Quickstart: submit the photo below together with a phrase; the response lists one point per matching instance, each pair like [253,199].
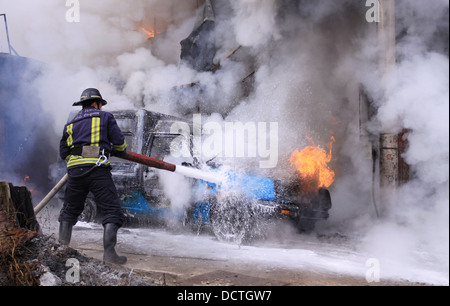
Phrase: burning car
[234,211]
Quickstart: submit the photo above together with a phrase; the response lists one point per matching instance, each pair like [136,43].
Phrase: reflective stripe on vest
[95,132]
[78,160]
[70,138]
[120,148]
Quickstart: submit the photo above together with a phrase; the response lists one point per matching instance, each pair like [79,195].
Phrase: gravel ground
[42,261]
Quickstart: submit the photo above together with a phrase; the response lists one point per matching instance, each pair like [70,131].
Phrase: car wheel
[89,213]
[231,219]
[305,225]
[309,217]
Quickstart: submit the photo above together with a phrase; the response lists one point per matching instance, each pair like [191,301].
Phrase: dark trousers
[100,183]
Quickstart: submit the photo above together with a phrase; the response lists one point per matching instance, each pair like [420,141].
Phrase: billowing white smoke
[309,58]
[104,50]
[417,99]
[255,22]
[417,225]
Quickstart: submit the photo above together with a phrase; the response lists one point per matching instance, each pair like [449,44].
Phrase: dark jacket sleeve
[64,149]
[116,136]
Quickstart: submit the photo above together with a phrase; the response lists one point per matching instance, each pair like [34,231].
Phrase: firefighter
[86,144]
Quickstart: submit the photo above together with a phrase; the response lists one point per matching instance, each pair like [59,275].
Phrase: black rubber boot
[65,233]
[109,243]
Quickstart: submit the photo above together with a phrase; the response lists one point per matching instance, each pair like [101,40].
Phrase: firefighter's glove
[118,153]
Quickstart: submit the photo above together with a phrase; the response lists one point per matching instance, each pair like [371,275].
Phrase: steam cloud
[308,58]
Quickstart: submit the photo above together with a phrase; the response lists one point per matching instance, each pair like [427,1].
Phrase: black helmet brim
[89,101]
[90,95]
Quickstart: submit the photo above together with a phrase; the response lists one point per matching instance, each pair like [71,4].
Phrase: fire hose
[140,159]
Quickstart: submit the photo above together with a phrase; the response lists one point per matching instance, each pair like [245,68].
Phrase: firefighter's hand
[118,153]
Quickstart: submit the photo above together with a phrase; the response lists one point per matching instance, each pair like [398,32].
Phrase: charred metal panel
[389,160]
[403,167]
[199,49]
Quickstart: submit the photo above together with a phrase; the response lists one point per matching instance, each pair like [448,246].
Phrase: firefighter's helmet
[90,95]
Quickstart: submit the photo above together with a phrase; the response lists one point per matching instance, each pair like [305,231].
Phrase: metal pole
[388,150]
[51,194]
[7,33]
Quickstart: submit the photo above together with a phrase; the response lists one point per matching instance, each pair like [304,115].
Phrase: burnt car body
[234,213]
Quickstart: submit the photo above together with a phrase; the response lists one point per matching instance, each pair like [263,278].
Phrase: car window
[126,125]
[171,148]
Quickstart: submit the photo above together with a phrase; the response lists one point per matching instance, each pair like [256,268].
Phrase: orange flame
[26,180]
[151,33]
[312,165]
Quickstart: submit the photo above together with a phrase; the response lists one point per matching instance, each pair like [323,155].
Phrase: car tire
[231,219]
[305,225]
[89,213]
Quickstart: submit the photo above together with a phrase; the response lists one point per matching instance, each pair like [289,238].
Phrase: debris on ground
[13,270]
[42,261]
[28,258]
